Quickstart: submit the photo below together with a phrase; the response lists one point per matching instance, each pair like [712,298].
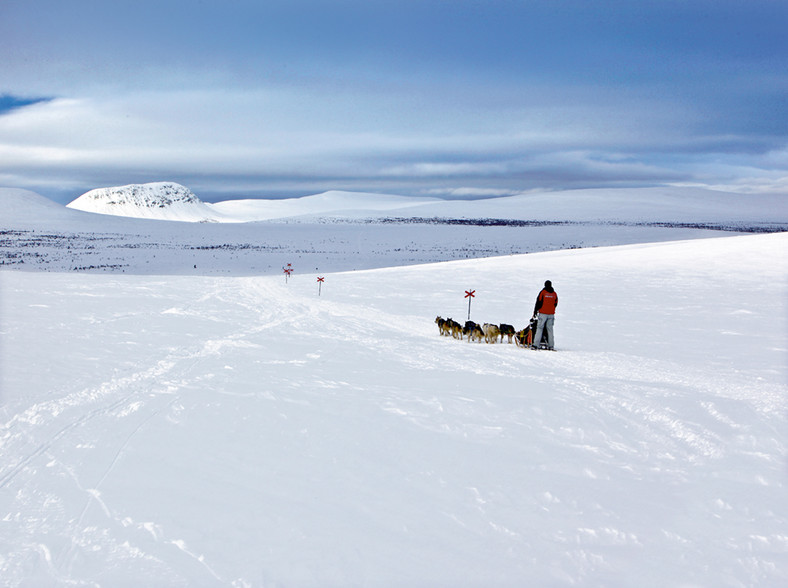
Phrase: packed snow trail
[244,431]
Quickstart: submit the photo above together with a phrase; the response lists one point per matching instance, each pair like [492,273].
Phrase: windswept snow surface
[244,431]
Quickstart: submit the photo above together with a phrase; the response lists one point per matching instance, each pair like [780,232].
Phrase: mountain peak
[156,194]
[161,200]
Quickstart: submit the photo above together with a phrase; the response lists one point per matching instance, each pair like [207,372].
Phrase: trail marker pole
[320,285]
[470,294]
[288,270]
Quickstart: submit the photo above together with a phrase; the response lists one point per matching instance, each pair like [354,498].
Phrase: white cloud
[317,139]
[754,184]
[470,192]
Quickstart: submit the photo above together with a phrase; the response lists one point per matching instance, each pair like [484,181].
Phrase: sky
[446,98]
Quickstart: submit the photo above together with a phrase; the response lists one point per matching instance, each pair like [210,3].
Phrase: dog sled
[525,338]
[490,333]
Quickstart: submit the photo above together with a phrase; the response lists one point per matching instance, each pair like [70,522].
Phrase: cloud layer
[460,99]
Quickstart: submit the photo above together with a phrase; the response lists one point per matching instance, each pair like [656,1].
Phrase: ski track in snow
[476,462]
[144,395]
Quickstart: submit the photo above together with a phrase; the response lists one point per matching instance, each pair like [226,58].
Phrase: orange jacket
[546,302]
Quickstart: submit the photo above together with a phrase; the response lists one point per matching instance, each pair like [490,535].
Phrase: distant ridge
[335,203]
[658,206]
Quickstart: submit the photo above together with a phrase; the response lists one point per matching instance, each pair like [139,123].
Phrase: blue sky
[452,98]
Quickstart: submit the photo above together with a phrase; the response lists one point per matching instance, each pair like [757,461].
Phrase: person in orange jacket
[544,309]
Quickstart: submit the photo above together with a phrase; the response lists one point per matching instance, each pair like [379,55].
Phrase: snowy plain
[165,425]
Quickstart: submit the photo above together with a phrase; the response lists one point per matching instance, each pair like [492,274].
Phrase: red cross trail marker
[470,294]
[288,270]
[320,285]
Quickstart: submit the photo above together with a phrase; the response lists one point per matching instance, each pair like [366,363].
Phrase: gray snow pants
[545,322]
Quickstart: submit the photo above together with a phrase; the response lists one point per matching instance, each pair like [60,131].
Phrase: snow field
[244,431]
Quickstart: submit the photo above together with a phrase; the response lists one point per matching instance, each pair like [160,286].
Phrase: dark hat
[548,284]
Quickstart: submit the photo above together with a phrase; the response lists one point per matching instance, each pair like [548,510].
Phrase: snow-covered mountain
[344,231]
[174,202]
[17,205]
[334,203]
[157,200]
[665,204]
[170,201]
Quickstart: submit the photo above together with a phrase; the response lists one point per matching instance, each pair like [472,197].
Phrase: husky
[473,331]
[455,328]
[443,327]
[491,332]
[507,331]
